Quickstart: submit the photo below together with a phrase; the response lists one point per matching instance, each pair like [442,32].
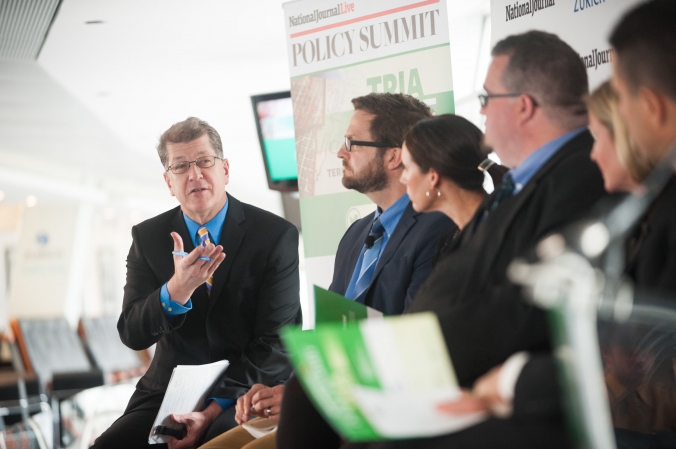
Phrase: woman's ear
[434,177]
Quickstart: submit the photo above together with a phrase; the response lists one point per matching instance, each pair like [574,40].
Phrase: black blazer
[404,264]
[255,292]
[483,315]
[651,250]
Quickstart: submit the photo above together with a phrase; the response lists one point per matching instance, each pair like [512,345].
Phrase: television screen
[274,122]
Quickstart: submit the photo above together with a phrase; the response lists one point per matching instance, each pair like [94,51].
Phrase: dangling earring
[427,194]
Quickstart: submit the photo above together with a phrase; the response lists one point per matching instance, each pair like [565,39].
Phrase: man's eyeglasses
[184,166]
[349,143]
[483,98]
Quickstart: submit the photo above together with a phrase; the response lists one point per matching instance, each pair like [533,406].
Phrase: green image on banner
[325,219]
[444,102]
[281,155]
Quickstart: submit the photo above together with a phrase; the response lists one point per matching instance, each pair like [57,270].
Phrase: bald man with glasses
[213,279]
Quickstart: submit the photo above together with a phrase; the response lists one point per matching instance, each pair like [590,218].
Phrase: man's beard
[372,179]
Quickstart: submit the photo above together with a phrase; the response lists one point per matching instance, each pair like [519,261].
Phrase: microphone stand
[570,282]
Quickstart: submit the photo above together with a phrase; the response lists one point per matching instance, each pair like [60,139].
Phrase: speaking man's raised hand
[191,271]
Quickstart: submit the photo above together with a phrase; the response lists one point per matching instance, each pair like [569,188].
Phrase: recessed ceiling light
[31,201]
[94,22]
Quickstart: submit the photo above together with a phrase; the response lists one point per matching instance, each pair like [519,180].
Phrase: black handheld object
[179,434]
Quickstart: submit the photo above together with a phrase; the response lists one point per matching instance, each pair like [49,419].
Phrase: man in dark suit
[410,238]
[211,302]
[536,122]
[643,77]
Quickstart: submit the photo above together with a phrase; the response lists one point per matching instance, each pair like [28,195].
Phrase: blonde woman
[621,165]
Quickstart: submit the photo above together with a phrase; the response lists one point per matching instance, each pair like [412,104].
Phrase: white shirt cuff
[509,374]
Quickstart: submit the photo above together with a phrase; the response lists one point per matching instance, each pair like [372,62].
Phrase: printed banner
[40,278]
[584,24]
[338,51]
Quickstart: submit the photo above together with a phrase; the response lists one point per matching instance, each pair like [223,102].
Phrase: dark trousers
[300,424]
[302,427]
[131,430]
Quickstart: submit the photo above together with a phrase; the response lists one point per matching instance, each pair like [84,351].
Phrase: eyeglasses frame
[349,142]
[193,162]
[483,98]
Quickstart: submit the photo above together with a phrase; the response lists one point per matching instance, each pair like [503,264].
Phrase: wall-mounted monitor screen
[274,122]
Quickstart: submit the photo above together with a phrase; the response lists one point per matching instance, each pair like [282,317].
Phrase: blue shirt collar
[214,226]
[391,216]
[534,162]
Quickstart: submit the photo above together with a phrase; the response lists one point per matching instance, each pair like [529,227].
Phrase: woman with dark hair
[441,157]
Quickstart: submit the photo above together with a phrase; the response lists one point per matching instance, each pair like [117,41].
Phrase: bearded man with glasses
[372,165]
[213,279]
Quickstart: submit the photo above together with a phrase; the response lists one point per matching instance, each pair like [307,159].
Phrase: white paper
[260,427]
[406,414]
[186,393]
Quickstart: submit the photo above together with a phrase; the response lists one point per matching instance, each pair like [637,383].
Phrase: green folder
[330,307]
[378,379]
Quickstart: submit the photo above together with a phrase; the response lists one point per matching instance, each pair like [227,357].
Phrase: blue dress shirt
[534,162]
[214,226]
[171,308]
[389,219]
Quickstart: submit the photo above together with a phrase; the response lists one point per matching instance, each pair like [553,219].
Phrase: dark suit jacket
[255,292]
[651,250]
[483,316]
[404,264]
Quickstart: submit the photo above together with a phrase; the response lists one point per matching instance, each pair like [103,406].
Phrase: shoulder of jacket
[162,219]
[258,215]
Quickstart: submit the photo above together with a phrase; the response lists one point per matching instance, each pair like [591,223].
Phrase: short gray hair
[186,131]
[548,69]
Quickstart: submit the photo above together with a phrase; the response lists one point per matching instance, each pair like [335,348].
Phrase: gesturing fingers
[217,256]
[178,241]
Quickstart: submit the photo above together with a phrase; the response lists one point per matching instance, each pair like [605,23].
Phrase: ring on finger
[268,411]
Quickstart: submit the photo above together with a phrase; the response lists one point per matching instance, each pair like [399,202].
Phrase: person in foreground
[643,76]
[644,44]
[225,292]
[386,275]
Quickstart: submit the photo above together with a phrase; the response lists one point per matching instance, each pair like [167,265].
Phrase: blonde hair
[602,104]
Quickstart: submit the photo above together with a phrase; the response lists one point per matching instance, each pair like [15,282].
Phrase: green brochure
[331,307]
[379,379]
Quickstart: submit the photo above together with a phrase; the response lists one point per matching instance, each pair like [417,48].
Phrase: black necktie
[376,232]
[504,191]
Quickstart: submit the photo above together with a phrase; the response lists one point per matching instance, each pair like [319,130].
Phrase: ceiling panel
[23,27]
